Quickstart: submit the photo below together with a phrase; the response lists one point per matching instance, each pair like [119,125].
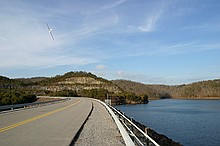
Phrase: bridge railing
[33,104]
[139,136]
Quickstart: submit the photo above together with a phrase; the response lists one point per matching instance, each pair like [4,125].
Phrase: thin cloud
[149,26]
[150,23]
[140,77]
[211,26]
[189,47]
[25,40]
[100,67]
[100,32]
[113,5]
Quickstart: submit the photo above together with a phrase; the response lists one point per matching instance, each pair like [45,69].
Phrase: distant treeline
[199,90]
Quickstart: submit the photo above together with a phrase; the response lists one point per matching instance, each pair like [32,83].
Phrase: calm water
[190,122]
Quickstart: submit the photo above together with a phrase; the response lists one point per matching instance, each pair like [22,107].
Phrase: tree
[144,99]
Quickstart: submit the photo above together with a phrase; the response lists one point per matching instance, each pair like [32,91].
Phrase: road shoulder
[100,129]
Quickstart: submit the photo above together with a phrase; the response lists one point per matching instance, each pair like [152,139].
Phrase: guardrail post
[132,125]
[123,117]
[119,116]
[146,131]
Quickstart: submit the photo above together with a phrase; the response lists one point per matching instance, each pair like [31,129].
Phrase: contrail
[50,31]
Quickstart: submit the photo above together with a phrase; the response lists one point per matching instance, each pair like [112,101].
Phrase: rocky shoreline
[161,139]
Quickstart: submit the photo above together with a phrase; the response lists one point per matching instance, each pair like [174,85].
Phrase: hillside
[69,84]
[199,90]
[22,90]
[78,81]
[152,91]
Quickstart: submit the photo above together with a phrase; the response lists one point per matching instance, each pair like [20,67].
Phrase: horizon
[112,80]
[151,42]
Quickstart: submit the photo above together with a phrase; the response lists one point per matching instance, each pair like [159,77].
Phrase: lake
[190,122]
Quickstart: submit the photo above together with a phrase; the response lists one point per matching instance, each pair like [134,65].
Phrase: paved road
[52,125]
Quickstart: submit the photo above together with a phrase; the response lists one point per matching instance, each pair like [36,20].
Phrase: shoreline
[161,139]
[194,98]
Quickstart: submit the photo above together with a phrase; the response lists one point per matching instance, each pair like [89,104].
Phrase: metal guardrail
[33,104]
[140,138]
[127,139]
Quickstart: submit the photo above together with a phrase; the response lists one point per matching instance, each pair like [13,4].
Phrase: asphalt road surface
[51,125]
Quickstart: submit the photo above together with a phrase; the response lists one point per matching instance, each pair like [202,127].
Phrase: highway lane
[52,125]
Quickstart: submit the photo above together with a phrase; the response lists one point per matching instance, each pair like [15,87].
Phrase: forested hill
[69,84]
[13,91]
[198,90]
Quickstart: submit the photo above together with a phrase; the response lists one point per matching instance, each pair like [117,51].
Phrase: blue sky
[149,41]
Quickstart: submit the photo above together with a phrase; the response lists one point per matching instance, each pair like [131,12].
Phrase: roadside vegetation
[15,97]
